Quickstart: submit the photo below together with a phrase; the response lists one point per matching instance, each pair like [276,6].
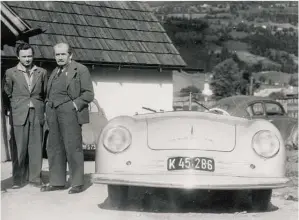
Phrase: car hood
[192,114]
[191,131]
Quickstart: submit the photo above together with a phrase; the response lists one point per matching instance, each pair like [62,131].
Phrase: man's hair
[24,46]
[70,50]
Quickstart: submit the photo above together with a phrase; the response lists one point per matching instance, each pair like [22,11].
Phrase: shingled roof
[100,32]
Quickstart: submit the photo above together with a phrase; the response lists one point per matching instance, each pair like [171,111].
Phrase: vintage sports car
[190,150]
[90,131]
[253,107]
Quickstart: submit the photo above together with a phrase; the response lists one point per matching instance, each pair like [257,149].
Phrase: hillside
[206,33]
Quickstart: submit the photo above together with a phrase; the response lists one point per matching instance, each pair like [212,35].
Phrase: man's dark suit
[64,121]
[27,122]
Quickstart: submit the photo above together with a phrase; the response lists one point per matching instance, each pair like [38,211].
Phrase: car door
[276,114]
[97,117]
[92,130]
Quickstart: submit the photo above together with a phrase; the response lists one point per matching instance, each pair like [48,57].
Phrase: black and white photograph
[149,110]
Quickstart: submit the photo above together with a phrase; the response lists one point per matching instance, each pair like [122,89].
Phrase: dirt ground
[29,203]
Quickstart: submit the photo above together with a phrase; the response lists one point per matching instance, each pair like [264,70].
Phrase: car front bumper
[190,181]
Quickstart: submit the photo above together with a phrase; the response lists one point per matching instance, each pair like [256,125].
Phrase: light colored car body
[157,137]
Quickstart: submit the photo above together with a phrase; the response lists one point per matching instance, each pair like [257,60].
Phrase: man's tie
[28,73]
[59,72]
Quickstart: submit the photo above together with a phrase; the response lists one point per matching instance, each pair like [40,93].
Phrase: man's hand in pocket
[75,106]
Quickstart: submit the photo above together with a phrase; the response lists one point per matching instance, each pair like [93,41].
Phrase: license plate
[191,163]
[89,147]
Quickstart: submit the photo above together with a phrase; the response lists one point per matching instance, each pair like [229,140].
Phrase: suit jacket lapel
[50,80]
[70,73]
[21,77]
[35,76]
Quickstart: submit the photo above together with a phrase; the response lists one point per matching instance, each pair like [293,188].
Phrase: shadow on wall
[125,75]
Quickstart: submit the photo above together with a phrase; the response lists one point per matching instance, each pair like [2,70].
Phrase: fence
[290,105]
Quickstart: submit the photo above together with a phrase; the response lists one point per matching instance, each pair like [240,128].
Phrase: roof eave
[18,29]
[32,32]
[117,65]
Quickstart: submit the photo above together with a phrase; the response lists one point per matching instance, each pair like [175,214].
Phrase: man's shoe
[16,186]
[35,184]
[76,189]
[49,188]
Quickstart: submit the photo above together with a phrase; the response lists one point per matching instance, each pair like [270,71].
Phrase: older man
[69,92]
[25,86]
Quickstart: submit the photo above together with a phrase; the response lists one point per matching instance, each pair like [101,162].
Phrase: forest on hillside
[243,38]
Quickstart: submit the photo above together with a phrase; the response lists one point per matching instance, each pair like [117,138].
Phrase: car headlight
[265,144]
[117,139]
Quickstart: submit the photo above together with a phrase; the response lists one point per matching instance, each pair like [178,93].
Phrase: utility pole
[251,86]
[190,101]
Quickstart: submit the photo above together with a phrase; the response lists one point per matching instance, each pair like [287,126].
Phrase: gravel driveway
[29,203]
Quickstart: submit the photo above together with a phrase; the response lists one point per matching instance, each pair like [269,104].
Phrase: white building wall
[126,91]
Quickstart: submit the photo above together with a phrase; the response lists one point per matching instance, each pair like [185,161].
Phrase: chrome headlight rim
[274,136]
[110,130]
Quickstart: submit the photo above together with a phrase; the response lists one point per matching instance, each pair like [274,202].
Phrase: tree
[227,79]
[258,67]
[225,54]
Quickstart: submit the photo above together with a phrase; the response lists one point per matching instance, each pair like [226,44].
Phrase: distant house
[205,6]
[279,29]
[128,52]
[289,92]
[281,5]
[266,92]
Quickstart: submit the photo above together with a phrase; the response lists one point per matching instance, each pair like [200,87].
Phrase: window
[257,109]
[273,109]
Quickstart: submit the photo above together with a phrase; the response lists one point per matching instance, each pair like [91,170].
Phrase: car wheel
[117,195]
[261,199]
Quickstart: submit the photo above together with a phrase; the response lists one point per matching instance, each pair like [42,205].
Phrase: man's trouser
[64,144]
[27,150]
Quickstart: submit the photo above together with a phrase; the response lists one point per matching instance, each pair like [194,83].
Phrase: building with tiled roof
[121,33]
[127,50]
